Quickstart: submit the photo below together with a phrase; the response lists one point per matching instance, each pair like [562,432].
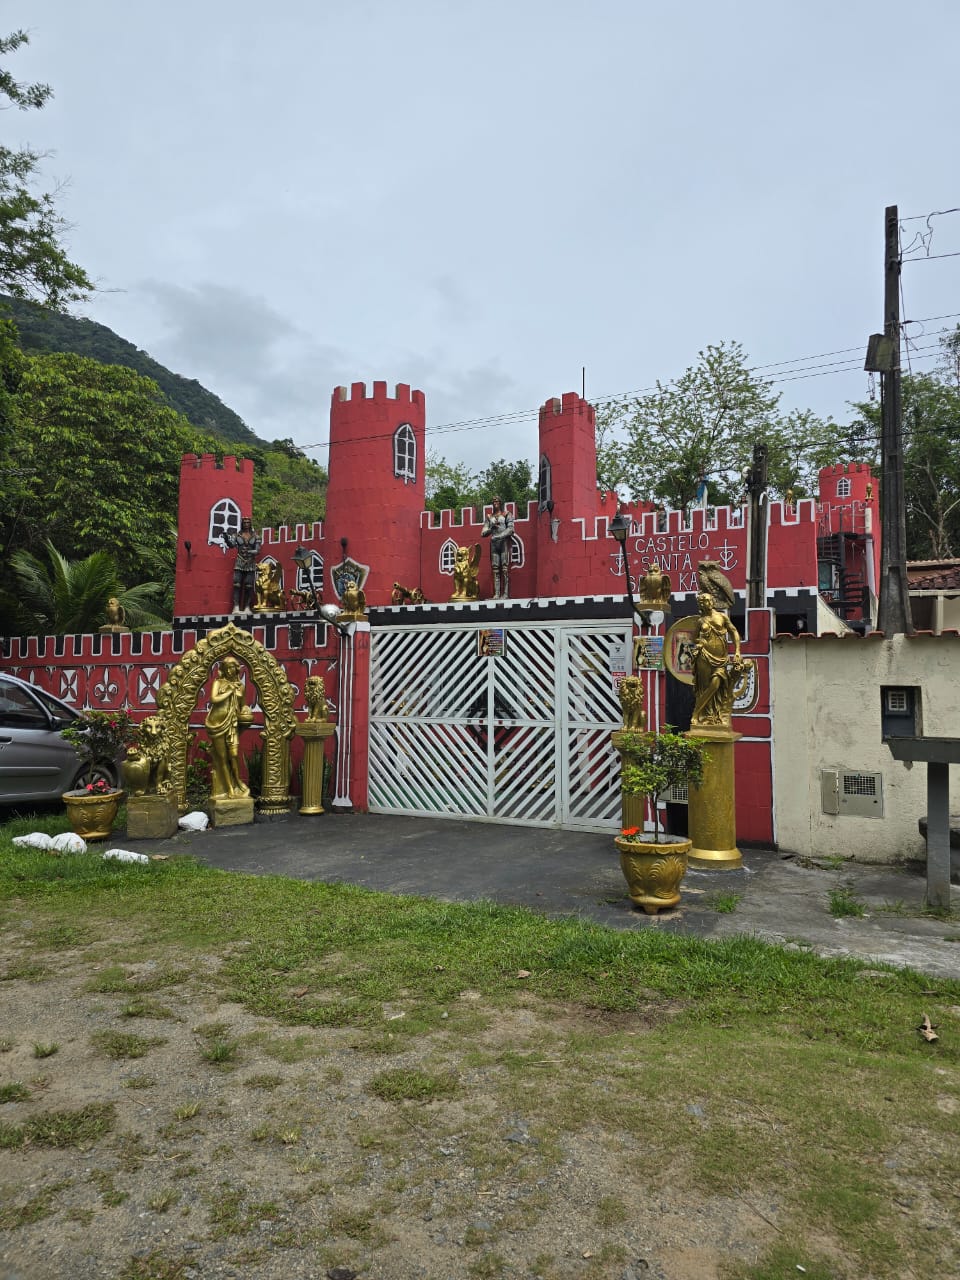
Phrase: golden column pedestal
[314,733]
[633,809]
[711,806]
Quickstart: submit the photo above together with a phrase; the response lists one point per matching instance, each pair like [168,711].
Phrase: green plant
[198,772]
[655,762]
[100,737]
[725,903]
[844,902]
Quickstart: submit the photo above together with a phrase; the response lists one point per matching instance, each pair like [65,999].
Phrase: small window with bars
[448,556]
[843,487]
[224,519]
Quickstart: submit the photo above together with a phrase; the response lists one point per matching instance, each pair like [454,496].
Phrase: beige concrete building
[837,789]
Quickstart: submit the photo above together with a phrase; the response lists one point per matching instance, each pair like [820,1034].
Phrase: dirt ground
[238,1147]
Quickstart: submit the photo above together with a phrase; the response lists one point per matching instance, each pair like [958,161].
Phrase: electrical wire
[805,371]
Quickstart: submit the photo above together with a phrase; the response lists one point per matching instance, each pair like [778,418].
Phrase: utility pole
[757,545]
[893,615]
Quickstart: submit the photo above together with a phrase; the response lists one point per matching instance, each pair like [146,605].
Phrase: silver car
[35,762]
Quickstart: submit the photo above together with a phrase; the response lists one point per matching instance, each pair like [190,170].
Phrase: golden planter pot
[91,815]
[653,871]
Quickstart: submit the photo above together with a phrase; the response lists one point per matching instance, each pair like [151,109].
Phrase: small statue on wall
[116,617]
[654,590]
[716,584]
[318,709]
[269,595]
[403,595]
[498,527]
[227,715]
[466,564]
[246,543]
[353,602]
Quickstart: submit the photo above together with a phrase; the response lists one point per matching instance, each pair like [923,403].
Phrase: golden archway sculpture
[177,699]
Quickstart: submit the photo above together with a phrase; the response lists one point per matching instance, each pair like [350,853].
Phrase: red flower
[630,831]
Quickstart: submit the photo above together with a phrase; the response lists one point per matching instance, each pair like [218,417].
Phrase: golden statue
[654,591]
[716,676]
[631,704]
[466,564]
[354,602]
[227,714]
[146,768]
[403,595]
[116,617]
[269,587]
[318,708]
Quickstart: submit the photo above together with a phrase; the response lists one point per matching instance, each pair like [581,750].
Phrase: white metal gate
[521,737]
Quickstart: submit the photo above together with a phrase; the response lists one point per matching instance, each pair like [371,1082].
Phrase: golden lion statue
[146,768]
[317,706]
[466,564]
[631,704]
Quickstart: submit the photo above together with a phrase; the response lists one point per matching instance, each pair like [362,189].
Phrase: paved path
[578,874]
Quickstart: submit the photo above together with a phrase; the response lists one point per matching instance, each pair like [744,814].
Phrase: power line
[790,375]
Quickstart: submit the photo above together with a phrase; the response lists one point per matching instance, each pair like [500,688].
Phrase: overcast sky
[480,199]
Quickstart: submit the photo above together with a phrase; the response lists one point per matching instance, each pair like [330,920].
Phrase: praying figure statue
[716,675]
[227,715]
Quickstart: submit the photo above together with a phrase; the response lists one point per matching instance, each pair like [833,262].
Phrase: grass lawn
[729,1072]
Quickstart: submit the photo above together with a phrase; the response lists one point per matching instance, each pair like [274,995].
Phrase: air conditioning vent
[861,794]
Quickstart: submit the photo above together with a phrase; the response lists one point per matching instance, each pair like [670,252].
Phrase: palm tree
[71,596]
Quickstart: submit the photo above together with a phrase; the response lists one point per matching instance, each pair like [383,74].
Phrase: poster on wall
[491,642]
[650,653]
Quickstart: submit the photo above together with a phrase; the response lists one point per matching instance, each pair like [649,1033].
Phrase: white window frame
[843,487]
[544,483]
[313,572]
[224,519]
[448,556]
[516,552]
[405,453]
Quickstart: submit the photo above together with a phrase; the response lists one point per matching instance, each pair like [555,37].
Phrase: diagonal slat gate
[523,737]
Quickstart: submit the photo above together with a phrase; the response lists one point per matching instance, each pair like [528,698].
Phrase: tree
[71,596]
[288,487]
[32,261]
[510,481]
[97,454]
[931,462]
[449,486]
[700,429]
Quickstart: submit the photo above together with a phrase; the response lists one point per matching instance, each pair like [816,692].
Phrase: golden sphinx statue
[269,587]
[466,566]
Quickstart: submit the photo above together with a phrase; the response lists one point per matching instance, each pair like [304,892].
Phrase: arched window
[516,553]
[448,556]
[312,573]
[224,518]
[405,453]
[544,484]
[843,487]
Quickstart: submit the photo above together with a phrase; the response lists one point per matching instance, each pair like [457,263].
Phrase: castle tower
[376,490]
[213,500]
[848,539]
[567,480]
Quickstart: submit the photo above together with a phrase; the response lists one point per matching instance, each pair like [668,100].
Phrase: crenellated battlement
[569,402]
[357,391]
[285,536]
[191,463]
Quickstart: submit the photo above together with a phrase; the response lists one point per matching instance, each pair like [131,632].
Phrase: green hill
[42,330]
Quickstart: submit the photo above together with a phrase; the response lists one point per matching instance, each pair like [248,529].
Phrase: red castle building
[430,721]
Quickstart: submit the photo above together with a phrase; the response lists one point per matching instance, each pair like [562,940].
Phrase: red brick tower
[376,490]
[213,499]
[568,480]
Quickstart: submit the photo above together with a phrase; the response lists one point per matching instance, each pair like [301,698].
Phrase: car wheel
[100,772]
